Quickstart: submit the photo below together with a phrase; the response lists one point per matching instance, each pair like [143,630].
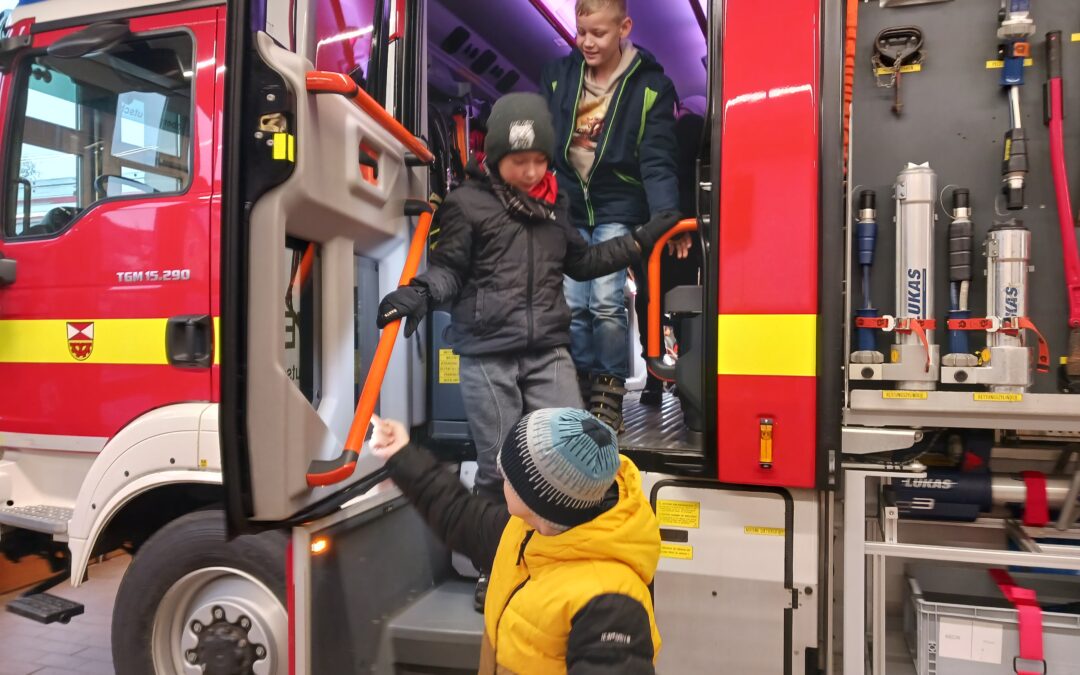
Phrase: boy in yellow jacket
[571,553]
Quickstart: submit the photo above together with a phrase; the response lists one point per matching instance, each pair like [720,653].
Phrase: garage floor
[82,646]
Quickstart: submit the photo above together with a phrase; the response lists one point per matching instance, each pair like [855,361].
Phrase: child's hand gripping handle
[654,352]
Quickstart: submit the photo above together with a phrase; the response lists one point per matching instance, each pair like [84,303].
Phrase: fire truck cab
[203,202]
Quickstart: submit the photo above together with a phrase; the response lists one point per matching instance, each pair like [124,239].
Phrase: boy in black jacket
[504,244]
[614,121]
[572,552]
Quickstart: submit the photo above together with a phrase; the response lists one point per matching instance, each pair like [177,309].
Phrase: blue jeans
[598,321]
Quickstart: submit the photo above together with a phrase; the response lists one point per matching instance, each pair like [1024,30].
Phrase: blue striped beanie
[561,462]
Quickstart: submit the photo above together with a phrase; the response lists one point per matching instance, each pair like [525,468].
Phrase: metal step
[45,608]
[658,428]
[37,517]
[441,629]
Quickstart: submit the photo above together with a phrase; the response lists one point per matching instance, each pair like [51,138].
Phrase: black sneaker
[480,595]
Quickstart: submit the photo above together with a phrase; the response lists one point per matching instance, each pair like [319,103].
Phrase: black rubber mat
[657,428]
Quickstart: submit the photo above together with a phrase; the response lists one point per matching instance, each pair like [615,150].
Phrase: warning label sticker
[909,68]
[449,367]
[672,513]
[1000,398]
[677,551]
[997,65]
[757,530]
[907,395]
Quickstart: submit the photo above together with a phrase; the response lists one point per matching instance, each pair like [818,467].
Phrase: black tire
[191,544]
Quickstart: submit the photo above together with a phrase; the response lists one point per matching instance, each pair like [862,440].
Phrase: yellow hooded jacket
[539,585]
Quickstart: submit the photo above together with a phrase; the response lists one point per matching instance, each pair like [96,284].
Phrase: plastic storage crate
[957,622]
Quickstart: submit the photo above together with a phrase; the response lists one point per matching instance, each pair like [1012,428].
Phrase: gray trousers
[499,390]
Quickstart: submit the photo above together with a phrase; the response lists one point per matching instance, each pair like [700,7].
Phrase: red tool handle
[654,350]
[1055,112]
[328,472]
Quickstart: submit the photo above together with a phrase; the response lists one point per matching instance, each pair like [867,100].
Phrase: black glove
[647,234]
[408,302]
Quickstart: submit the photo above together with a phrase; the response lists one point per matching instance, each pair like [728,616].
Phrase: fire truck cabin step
[37,518]
[441,629]
[45,608]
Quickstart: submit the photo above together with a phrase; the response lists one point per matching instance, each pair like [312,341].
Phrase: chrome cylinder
[1008,258]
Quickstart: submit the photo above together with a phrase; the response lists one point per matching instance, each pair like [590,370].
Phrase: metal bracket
[868,441]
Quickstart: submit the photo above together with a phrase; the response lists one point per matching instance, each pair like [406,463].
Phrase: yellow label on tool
[672,513]
[203,463]
[759,531]
[906,395]
[992,65]
[910,68]
[1076,37]
[998,398]
[1008,148]
[676,551]
[449,367]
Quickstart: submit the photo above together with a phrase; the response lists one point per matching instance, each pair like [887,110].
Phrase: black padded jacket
[504,274]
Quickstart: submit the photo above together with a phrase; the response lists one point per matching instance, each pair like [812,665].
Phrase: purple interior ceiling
[667,28]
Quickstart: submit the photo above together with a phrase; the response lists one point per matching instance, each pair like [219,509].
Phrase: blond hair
[586,7]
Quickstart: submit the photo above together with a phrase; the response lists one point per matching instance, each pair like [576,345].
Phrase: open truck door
[324,207]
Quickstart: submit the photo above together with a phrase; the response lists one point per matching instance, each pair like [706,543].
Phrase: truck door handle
[7,271]
[189,341]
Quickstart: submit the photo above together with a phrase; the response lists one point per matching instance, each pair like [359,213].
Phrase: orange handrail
[653,351]
[328,472]
[322,82]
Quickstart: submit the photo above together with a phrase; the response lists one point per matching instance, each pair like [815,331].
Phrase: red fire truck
[174,170]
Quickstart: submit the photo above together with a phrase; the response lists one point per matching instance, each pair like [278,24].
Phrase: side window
[345,32]
[113,124]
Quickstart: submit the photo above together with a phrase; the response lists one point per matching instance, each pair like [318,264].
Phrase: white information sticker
[986,642]
[954,639]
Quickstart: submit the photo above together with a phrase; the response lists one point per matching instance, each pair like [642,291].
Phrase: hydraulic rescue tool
[1055,114]
[895,49]
[1008,368]
[1015,26]
[914,359]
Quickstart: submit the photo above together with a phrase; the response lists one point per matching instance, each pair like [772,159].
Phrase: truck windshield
[108,125]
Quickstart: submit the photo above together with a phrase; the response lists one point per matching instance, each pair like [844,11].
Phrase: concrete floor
[82,646]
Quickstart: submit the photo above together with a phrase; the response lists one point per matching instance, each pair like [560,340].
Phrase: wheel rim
[219,621]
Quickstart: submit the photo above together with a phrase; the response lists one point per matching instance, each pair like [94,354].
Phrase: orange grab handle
[653,352]
[334,471]
[321,82]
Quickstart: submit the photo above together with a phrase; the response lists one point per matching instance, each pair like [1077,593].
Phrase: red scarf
[546,190]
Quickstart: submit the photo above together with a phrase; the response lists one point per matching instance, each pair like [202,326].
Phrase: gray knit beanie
[519,122]
[561,462]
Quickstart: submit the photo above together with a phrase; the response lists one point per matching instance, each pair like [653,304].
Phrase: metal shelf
[874,541]
[1046,412]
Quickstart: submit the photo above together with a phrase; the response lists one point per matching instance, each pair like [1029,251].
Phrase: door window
[345,32]
[109,125]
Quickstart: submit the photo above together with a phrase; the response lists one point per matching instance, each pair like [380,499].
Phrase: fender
[170,445]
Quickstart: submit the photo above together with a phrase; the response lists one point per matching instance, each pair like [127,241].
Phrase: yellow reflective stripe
[767,344]
[116,341]
[127,341]
[217,340]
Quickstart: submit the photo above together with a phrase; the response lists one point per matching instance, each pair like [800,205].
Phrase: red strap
[970,324]
[1036,506]
[1043,362]
[1010,325]
[1030,620]
[917,326]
